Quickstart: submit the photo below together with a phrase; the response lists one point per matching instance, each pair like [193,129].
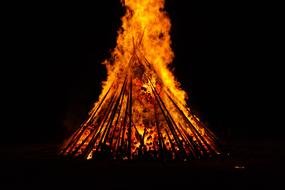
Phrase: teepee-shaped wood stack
[139,118]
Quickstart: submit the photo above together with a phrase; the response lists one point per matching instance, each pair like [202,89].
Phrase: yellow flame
[145,18]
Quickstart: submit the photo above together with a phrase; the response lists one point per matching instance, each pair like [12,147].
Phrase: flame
[151,113]
[147,21]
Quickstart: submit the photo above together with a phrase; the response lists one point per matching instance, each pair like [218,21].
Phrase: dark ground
[250,165]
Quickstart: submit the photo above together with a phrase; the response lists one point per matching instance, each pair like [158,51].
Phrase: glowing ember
[239,167]
[141,112]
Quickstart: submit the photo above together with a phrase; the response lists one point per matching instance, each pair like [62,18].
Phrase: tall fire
[142,111]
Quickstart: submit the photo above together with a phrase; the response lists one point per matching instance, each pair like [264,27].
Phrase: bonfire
[142,111]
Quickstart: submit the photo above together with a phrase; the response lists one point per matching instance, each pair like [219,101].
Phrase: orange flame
[147,21]
[153,114]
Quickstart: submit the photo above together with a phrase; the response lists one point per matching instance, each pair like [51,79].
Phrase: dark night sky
[54,71]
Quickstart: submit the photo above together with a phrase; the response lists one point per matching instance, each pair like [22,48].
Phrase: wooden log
[168,118]
[78,134]
[130,122]
[114,111]
[121,143]
[194,130]
[93,134]
[160,139]
[118,116]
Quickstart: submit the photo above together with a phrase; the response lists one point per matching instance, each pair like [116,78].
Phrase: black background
[53,72]
[226,58]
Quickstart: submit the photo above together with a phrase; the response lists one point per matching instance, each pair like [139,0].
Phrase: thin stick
[130,121]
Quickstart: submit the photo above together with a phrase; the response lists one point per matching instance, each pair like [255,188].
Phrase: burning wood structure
[141,112]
